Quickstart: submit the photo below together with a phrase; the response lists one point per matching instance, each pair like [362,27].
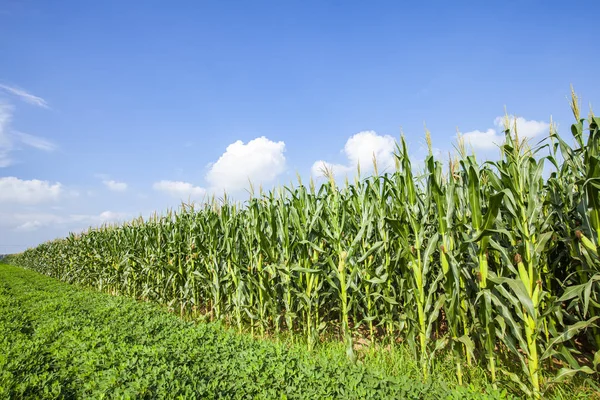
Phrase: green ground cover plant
[58,341]
[493,264]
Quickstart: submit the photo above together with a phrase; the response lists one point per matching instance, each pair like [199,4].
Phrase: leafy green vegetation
[57,341]
[494,264]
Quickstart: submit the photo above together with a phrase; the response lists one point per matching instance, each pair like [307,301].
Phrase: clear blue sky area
[112,109]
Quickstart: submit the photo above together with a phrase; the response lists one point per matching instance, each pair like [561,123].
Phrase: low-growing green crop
[60,342]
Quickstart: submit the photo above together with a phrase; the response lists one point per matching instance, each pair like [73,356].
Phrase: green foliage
[60,342]
[496,263]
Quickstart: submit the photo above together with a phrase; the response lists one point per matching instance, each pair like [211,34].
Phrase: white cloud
[30,226]
[28,191]
[96,219]
[492,138]
[36,142]
[25,96]
[10,140]
[360,149]
[30,222]
[260,161]
[6,143]
[320,167]
[110,216]
[525,128]
[181,190]
[483,140]
[115,186]
[23,226]
[110,184]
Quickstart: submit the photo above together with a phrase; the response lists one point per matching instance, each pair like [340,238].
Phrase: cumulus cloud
[33,191]
[492,138]
[115,186]
[526,128]
[25,96]
[360,149]
[180,190]
[259,161]
[487,140]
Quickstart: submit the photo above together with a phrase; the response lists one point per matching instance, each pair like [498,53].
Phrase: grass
[58,341]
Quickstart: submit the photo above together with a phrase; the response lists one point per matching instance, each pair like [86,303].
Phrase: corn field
[494,263]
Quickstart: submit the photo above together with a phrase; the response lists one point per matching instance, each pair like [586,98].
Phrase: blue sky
[113,109]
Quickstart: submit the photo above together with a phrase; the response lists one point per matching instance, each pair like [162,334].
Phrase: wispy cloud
[30,222]
[29,226]
[10,139]
[104,177]
[111,184]
[25,96]
[36,142]
[6,143]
